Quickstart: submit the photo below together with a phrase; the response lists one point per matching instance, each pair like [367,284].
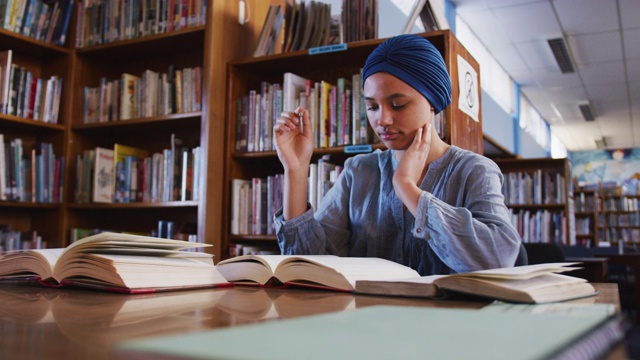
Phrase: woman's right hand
[294,140]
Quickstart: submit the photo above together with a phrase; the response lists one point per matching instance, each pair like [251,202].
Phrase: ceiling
[603,38]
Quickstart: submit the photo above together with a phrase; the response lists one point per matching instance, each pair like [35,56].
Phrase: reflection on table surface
[38,322]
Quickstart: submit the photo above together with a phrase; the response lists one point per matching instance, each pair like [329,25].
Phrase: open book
[116,262]
[539,283]
[321,271]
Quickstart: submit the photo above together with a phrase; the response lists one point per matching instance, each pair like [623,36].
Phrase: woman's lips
[388,135]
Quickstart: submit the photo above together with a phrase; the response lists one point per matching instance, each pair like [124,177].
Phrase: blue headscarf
[414,60]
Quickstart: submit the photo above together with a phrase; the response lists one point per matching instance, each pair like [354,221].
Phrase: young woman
[422,202]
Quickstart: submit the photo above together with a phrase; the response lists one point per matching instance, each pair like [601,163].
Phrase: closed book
[396,332]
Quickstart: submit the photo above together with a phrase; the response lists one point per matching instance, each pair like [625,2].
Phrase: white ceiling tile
[614,110]
[530,21]
[508,3]
[509,59]
[568,94]
[463,7]
[603,73]
[551,80]
[621,140]
[609,91]
[537,55]
[619,129]
[633,69]
[486,28]
[597,47]
[577,17]
[632,42]
[570,113]
[634,90]
[629,10]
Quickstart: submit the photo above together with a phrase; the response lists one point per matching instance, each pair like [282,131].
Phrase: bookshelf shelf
[587,216]
[540,196]
[166,43]
[30,46]
[27,205]
[20,123]
[205,46]
[249,73]
[137,205]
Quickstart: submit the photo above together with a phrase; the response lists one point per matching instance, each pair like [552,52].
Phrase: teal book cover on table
[393,332]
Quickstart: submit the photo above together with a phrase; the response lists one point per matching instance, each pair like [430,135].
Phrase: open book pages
[116,262]
[537,283]
[327,271]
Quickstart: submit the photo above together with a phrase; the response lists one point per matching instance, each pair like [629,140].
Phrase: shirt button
[419,230]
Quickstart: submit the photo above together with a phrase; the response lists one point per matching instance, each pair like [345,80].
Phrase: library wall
[529,148]
[498,124]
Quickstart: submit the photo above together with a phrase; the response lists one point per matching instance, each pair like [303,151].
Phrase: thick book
[319,271]
[397,332]
[103,175]
[539,283]
[116,262]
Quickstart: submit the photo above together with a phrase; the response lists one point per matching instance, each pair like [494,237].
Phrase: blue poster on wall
[617,166]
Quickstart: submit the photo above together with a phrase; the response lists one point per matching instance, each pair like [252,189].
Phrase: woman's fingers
[286,121]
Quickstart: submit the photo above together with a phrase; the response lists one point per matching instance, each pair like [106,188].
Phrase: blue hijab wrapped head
[414,60]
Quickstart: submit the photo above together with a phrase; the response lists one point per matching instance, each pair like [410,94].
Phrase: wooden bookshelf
[247,74]
[539,194]
[587,214]
[209,45]
[43,60]
[620,218]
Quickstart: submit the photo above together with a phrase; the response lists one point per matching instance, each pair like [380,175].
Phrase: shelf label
[352,149]
[327,49]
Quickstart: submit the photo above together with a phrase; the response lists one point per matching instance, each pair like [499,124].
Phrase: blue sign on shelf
[327,49]
[352,149]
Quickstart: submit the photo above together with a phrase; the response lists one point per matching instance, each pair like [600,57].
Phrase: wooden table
[629,259]
[594,269]
[38,323]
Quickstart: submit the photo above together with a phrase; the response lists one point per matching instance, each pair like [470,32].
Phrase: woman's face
[395,110]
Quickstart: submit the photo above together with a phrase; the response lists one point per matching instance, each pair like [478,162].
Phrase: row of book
[307,25]
[310,24]
[42,20]
[536,187]
[337,112]
[149,94]
[30,173]
[542,226]
[587,202]
[621,204]
[628,219]
[626,235]
[127,174]
[238,249]
[584,225]
[14,240]
[359,20]
[255,201]
[106,21]
[24,94]
[165,229]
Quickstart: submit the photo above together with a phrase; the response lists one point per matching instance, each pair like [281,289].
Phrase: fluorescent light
[561,53]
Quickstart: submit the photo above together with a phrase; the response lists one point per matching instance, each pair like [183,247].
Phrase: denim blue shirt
[462,223]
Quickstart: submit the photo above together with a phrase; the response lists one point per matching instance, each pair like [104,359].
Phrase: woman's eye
[372,108]
[398,106]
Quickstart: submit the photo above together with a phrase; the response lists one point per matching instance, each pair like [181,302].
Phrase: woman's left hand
[411,169]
